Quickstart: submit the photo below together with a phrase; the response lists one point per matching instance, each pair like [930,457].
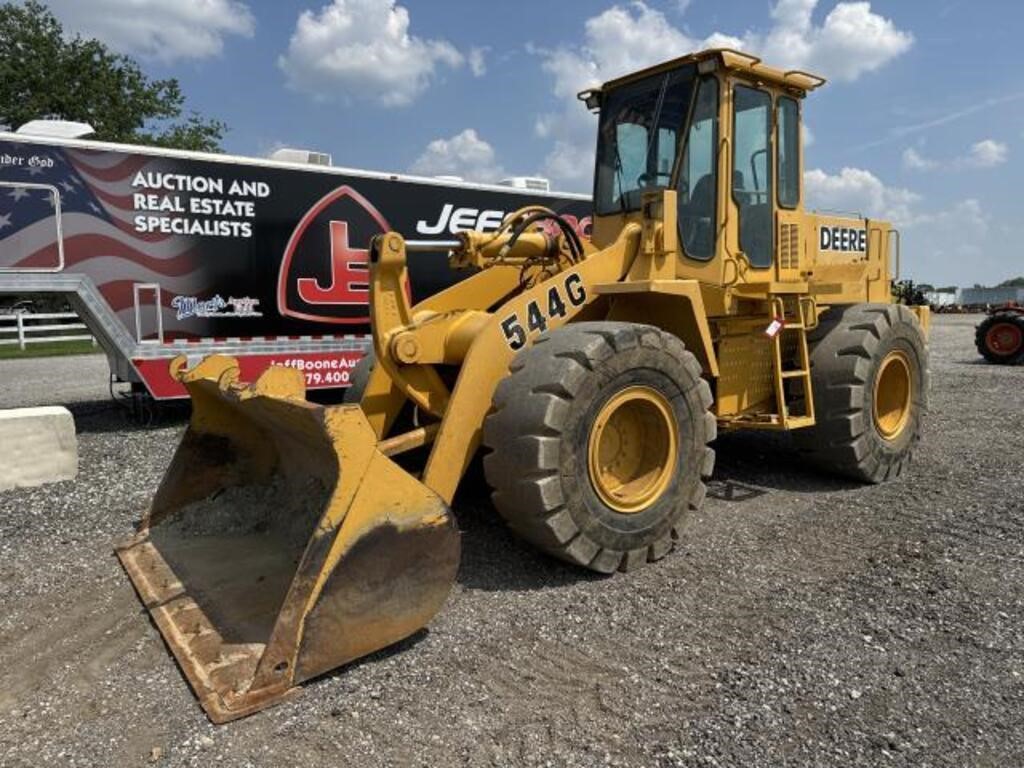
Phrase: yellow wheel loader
[289,538]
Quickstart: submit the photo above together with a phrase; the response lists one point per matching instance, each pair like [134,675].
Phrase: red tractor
[1000,336]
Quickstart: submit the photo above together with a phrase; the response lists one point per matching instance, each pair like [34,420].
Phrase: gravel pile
[805,620]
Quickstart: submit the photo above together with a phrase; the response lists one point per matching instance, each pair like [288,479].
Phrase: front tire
[598,443]
[869,370]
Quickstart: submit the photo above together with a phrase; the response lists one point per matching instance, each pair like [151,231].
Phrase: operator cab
[672,127]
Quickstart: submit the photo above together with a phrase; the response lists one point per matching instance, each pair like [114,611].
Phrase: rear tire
[869,370]
[598,443]
[1000,338]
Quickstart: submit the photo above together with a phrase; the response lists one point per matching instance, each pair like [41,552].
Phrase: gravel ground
[70,380]
[805,621]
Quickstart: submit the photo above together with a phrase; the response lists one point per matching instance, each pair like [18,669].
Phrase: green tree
[45,73]
[1013,282]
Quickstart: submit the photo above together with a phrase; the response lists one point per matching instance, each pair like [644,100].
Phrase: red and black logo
[324,274]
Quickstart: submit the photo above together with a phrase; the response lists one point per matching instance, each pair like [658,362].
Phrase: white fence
[30,328]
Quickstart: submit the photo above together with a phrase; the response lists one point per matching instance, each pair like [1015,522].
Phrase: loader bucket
[282,542]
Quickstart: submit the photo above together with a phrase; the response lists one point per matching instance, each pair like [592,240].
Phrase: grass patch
[49,349]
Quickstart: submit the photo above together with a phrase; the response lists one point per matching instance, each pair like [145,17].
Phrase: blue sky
[922,121]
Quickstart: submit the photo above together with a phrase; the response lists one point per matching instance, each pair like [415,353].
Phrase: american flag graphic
[99,237]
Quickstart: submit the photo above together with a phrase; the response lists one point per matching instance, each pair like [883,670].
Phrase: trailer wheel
[598,443]
[869,370]
[1000,338]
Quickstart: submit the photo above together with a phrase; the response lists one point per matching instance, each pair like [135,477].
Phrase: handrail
[899,245]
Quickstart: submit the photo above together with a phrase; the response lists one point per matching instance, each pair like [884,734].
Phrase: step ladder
[805,319]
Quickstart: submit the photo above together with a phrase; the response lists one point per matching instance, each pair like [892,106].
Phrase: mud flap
[282,543]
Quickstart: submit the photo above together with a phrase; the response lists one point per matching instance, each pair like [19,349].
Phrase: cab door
[752,181]
[789,214]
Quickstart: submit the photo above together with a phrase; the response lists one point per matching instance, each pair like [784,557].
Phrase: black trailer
[164,252]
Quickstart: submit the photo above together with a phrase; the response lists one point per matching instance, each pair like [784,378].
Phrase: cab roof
[744,64]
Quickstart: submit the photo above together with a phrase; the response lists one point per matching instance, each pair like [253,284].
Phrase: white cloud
[915,161]
[850,41]
[616,41]
[571,161]
[158,29]
[987,153]
[477,63]
[954,246]
[856,190]
[964,220]
[465,154]
[362,49]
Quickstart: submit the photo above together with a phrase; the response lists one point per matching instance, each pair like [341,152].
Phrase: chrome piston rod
[432,245]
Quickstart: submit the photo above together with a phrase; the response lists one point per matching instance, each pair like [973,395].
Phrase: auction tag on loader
[774,327]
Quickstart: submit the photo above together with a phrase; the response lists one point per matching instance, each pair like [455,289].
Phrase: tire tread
[843,349]
[553,367]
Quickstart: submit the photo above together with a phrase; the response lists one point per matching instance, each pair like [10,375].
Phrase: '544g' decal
[570,292]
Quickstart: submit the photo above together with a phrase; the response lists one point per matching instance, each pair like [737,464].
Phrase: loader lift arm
[483,343]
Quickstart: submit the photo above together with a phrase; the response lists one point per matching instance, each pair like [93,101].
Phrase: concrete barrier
[37,445]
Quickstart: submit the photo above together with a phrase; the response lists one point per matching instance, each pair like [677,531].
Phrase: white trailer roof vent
[305,156]
[537,183]
[57,129]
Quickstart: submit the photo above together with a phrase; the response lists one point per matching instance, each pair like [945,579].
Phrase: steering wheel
[644,178]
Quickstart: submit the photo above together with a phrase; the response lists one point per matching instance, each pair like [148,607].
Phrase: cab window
[789,152]
[637,138]
[752,172]
[698,176]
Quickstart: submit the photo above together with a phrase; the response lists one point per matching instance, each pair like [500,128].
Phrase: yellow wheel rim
[893,395]
[633,449]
